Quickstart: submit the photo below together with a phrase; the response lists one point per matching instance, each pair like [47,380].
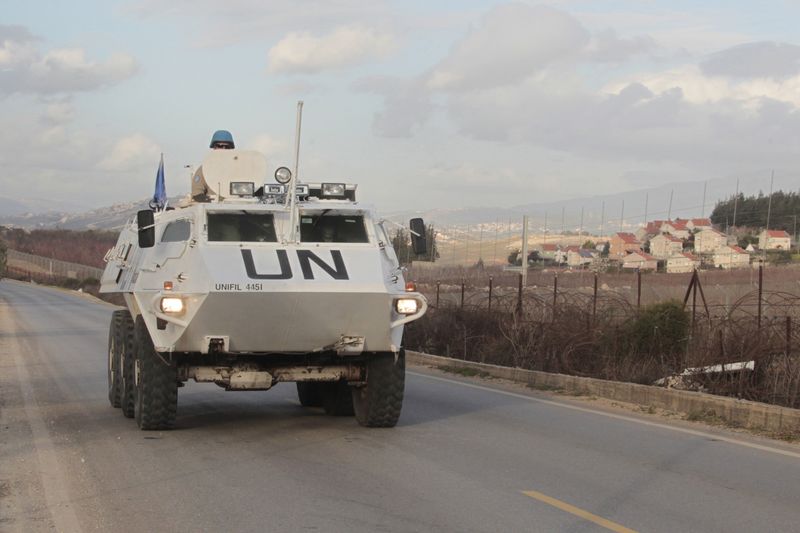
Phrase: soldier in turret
[221,140]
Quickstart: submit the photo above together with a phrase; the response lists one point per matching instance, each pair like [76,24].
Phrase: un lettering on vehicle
[335,268]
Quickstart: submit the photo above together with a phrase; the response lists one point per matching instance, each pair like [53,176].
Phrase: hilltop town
[671,246]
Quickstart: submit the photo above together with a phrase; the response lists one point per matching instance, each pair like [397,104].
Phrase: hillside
[83,247]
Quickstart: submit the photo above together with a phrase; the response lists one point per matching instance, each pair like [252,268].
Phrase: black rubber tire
[337,400]
[114,350]
[156,404]
[127,364]
[378,403]
[310,393]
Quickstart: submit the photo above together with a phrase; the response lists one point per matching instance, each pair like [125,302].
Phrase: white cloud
[608,47]
[214,23]
[58,111]
[271,147]
[700,88]
[130,153]
[25,69]
[512,42]
[304,53]
[755,60]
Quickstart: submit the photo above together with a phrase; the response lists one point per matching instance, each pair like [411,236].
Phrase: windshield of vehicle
[332,228]
[241,227]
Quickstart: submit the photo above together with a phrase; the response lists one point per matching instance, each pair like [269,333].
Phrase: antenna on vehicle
[290,193]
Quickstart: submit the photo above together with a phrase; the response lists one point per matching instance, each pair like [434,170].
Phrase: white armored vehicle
[249,283]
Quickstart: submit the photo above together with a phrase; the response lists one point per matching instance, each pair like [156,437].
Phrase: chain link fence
[38,266]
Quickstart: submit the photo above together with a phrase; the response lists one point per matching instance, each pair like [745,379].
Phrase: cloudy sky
[423,103]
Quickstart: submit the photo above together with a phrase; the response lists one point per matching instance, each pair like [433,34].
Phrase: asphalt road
[463,458]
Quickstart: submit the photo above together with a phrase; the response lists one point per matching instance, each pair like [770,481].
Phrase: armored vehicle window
[241,227]
[332,228]
[177,231]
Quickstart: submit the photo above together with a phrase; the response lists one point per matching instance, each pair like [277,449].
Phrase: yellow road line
[571,509]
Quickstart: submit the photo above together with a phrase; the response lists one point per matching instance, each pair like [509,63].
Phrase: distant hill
[104,218]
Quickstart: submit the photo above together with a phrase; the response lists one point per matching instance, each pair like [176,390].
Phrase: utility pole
[466,248]
[669,210]
[602,218]
[562,222]
[496,235]
[524,250]
[580,232]
[480,245]
[703,209]
[621,215]
[646,200]
[735,202]
[545,227]
[454,246]
[769,203]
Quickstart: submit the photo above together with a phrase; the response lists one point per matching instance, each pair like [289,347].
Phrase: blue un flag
[159,200]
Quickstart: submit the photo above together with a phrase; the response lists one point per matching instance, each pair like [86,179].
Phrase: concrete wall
[741,413]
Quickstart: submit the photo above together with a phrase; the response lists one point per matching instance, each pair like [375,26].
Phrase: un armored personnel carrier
[251,282]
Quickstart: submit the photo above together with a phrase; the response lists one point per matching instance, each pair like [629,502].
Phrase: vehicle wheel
[127,363]
[378,403]
[310,393]
[114,348]
[156,402]
[337,399]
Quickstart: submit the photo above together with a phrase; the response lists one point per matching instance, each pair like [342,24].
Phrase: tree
[589,245]
[606,249]
[514,258]
[751,211]
[747,240]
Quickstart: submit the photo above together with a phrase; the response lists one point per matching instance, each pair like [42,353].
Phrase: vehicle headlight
[406,306]
[172,305]
[242,188]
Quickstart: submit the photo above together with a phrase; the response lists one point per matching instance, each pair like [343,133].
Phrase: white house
[579,257]
[676,228]
[731,257]
[771,239]
[708,241]
[683,262]
[641,260]
[663,246]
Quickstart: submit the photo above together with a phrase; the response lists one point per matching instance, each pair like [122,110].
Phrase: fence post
[555,294]
[437,293]
[594,300]
[694,304]
[788,336]
[760,291]
[463,284]
[490,294]
[638,289]
[519,296]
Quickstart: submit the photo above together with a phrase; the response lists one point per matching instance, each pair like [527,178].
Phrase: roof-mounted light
[283,175]
[333,190]
[242,188]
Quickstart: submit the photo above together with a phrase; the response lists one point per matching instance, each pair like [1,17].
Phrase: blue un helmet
[222,139]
